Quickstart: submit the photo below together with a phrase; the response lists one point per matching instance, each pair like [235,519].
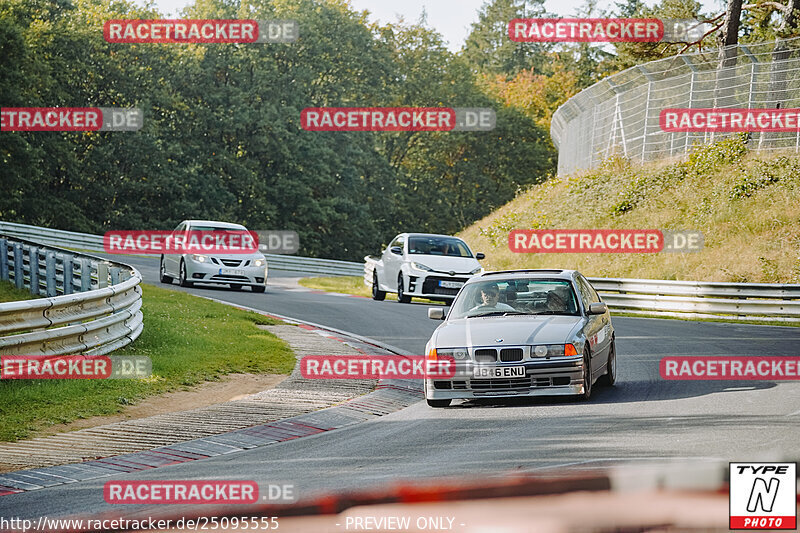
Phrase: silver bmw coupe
[522,333]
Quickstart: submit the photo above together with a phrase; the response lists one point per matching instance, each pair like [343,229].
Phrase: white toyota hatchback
[235,270]
[424,265]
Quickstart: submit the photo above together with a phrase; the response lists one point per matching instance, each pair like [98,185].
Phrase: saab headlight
[419,266]
[259,262]
[459,354]
[199,258]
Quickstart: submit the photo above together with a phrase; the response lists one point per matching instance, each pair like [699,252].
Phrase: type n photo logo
[763,496]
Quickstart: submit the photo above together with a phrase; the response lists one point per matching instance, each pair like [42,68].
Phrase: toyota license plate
[498,372]
[451,284]
[231,272]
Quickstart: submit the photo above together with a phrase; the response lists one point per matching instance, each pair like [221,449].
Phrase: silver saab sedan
[522,333]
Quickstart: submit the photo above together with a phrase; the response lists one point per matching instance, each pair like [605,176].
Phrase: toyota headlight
[199,258]
[478,270]
[419,266]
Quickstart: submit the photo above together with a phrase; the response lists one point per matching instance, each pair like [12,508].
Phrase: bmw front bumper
[561,377]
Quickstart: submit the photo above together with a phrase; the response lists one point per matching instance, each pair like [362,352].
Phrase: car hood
[517,330]
[444,263]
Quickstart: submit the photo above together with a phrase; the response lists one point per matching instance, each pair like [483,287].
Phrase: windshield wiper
[498,313]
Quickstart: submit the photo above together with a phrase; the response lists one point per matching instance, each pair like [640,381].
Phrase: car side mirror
[436,313]
[396,250]
[480,255]
[597,308]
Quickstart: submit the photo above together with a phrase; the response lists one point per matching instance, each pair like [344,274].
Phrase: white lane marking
[731,389]
[795,413]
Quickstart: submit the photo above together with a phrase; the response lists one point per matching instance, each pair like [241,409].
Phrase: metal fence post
[69,273]
[19,276]
[693,68]
[33,261]
[114,275]
[50,273]
[86,275]
[649,79]
[4,259]
[102,275]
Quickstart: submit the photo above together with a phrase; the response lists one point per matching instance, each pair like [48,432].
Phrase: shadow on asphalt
[627,392]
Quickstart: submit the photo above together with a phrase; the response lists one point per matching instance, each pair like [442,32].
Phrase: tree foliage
[222,136]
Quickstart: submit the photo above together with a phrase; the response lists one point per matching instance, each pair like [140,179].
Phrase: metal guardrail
[91,306]
[684,299]
[87,241]
[689,299]
[311,265]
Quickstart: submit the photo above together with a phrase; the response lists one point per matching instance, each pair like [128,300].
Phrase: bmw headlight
[419,266]
[459,354]
[199,258]
[259,262]
[553,350]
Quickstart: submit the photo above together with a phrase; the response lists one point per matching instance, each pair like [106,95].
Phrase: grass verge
[349,285]
[746,204]
[10,293]
[189,339]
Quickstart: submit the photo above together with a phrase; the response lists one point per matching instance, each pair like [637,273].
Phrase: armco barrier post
[86,274]
[33,261]
[102,275]
[68,273]
[19,275]
[114,275]
[50,273]
[4,259]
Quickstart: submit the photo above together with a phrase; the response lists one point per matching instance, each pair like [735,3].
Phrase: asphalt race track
[643,418]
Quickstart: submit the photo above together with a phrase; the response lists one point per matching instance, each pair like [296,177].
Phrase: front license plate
[498,372]
[451,284]
[231,272]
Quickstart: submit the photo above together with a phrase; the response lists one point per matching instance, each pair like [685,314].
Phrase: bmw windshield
[520,296]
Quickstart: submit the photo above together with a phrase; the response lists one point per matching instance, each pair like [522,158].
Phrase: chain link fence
[620,114]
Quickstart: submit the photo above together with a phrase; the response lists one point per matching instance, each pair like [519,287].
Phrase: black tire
[401,296]
[182,281]
[377,293]
[587,369]
[610,377]
[258,288]
[236,286]
[438,403]
[162,273]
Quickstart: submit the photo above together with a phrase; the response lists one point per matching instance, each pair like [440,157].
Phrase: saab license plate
[498,372]
[231,272]
[451,284]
